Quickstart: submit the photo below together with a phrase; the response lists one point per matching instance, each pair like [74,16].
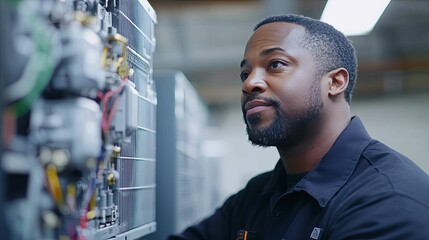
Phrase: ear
[339,80]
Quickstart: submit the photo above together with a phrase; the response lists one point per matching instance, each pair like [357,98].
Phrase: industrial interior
[121,119]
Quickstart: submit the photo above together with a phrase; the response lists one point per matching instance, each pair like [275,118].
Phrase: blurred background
[206,40]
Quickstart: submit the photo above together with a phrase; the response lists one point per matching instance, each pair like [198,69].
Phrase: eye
[244,76]
[276,64]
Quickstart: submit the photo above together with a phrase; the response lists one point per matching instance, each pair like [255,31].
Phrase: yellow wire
[92,202]
[103,61]
[54,183]
[71,190]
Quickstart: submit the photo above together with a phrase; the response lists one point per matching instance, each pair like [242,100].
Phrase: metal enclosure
[181,166]
[136,165]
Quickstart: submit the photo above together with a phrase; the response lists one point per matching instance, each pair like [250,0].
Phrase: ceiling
[206,39]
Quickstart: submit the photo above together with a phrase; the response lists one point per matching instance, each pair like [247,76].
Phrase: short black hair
[331,48]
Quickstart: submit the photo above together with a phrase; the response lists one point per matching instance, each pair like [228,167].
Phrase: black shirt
[361,189]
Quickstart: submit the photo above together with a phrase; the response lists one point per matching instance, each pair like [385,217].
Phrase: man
[333,180]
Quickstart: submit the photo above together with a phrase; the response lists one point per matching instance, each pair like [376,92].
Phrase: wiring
[108,115]
[54,184]
[64,100]
[109,118]
[39,69]
[94,177]
[103,61]
[89,193]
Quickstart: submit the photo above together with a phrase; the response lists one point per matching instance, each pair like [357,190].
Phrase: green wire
[42,62]
[13,3]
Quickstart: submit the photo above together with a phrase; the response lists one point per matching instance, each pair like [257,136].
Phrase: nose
[254,83]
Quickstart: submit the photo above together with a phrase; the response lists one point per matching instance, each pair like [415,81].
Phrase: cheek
[290,95]
[295,98]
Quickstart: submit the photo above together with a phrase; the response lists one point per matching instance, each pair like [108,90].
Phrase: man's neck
[305,155]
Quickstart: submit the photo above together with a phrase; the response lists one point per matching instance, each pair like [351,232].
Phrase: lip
[255,106]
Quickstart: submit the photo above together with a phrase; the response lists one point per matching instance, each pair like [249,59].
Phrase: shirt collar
[335,168]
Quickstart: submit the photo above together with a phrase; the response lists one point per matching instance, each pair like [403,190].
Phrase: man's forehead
[275,34]
[278,30]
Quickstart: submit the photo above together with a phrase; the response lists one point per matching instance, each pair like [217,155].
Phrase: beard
[286,127]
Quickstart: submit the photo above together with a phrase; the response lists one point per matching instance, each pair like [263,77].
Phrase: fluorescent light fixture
[353,17]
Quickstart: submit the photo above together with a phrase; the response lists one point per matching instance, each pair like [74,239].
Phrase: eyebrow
[268,51]
[264,53]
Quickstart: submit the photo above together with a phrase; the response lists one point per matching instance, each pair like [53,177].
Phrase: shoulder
[384,181]
[384,157]
[399,174]
[383,173]
[386,190]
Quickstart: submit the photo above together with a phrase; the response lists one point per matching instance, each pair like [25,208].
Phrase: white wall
[401,122]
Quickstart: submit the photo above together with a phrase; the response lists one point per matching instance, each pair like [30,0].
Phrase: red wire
[100,95]
[108,117]
[112,111]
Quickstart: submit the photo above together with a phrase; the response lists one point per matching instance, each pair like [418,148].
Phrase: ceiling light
[353,17]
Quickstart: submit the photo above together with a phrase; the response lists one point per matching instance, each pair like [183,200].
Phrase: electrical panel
[78,119]
[182,174]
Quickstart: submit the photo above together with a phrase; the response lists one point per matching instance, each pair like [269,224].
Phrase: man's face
[280,95]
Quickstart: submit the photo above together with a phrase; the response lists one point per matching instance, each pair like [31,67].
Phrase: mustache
[274,102]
